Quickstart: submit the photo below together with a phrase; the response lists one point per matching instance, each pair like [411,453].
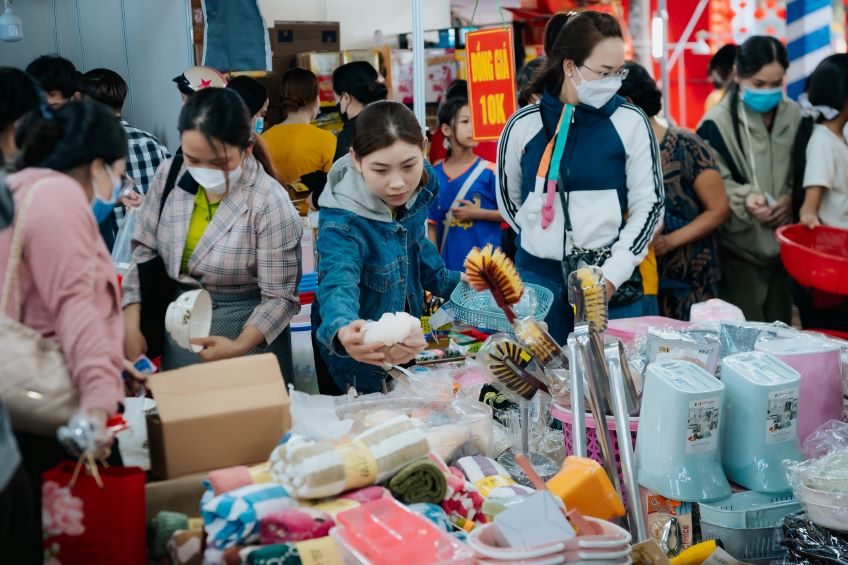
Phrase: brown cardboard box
[216,415]
[290,38]
[176,495]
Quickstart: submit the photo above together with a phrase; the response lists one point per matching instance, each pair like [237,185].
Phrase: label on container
[321,551]
[702,425]
[782,419]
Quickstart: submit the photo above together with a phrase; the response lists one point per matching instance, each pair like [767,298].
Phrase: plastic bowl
[824,509]
[189,317]
[816,258]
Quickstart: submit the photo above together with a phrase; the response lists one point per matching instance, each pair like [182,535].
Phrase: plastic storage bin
[386,533]
[748,523]
[682,408]
[760,427]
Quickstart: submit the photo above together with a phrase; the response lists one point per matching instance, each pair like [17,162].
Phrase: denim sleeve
[435,277]
[340,251]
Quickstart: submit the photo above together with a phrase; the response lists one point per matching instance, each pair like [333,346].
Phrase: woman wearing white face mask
[220,223]
[579,172]
[67,292]
[753,131]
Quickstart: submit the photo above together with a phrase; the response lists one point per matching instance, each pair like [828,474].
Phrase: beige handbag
[35,384]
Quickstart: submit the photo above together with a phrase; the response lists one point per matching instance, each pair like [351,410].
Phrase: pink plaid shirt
[252,242]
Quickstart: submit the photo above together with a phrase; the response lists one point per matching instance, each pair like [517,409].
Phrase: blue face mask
[100,207]
[761,99]
[260,125]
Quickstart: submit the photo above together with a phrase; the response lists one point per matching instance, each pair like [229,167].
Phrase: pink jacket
[59,299]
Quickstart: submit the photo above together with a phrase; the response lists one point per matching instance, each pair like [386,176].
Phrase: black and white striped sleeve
[510,150]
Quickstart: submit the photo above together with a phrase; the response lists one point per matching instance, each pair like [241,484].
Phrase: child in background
[374,256]
[465,212]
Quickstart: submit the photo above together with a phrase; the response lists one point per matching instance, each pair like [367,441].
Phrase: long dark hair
[76,134]
[579,35]
[221,114]
[826,86]
[757,52]
[383,123]
[449,111]
[19,94]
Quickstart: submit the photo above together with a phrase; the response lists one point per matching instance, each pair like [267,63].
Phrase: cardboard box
[176,495]
[290,38]
[216,415]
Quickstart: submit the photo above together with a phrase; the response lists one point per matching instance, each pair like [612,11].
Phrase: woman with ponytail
[355,85]
[72,163]
[752,131]
[300,151]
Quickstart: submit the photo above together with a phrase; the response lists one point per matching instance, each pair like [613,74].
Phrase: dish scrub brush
[587,293]
[490,269]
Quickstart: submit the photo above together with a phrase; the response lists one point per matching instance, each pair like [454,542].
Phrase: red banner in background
[490,60]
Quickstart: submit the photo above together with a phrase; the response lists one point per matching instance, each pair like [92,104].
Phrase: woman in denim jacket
[374,254]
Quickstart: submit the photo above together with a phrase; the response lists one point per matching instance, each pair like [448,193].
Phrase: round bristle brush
[508,363]
[490,269]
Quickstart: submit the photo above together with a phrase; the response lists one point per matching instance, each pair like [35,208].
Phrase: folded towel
[318,470]
[421,481]
[367,494]
[461,497]
[160,530]
[321,550]
[261,473]
[433,513]
[225,480]
[293,525]
[212,556]
[185,547]
[490,478]
[233,518]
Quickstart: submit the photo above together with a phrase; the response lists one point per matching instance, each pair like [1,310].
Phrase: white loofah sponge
[391,329]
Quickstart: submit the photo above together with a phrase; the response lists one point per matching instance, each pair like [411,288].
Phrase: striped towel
[318,470]
[185,547]
[490,478]
[233,518]
[462,498]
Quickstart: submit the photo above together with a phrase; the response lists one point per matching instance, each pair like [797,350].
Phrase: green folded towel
[162,527]
[421,481]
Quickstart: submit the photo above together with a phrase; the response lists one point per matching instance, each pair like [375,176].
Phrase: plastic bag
[715,310]
[742,337]
[809,543]
[702,349]
[821,483]
[122,250]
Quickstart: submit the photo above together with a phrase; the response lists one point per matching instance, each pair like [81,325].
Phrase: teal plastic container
[677,449]
[761,420]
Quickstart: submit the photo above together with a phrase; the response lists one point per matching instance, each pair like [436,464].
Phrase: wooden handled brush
[490,269]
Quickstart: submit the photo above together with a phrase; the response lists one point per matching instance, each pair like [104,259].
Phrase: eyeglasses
[620,73]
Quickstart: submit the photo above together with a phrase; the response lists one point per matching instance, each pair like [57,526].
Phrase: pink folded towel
[232,478]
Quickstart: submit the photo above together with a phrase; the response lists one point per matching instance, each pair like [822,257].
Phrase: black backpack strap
[171,182]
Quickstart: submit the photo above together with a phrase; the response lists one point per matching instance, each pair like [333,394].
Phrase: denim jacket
[369,264]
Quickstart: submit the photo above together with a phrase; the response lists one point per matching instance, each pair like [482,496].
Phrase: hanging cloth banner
[808,32]
[490,62]
[236,37]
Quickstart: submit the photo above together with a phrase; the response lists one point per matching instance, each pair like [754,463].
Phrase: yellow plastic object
[583,485]
[696,554]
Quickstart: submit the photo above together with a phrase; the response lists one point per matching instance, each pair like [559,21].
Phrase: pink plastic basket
[593,447]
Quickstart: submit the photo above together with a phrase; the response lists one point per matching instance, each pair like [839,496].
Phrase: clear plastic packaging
[700,349]
[512,367]
[809,544]
[544,348]
[742,337]
[821,483]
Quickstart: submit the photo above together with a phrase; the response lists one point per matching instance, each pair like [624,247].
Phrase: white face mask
[845,132]
[596,93]
[214,181]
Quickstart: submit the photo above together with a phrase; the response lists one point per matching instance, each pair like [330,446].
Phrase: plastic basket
[748,523]
[480,310]
[593,447]
[816,258]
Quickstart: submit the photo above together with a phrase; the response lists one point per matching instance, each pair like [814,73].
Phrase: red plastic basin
[816,258]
